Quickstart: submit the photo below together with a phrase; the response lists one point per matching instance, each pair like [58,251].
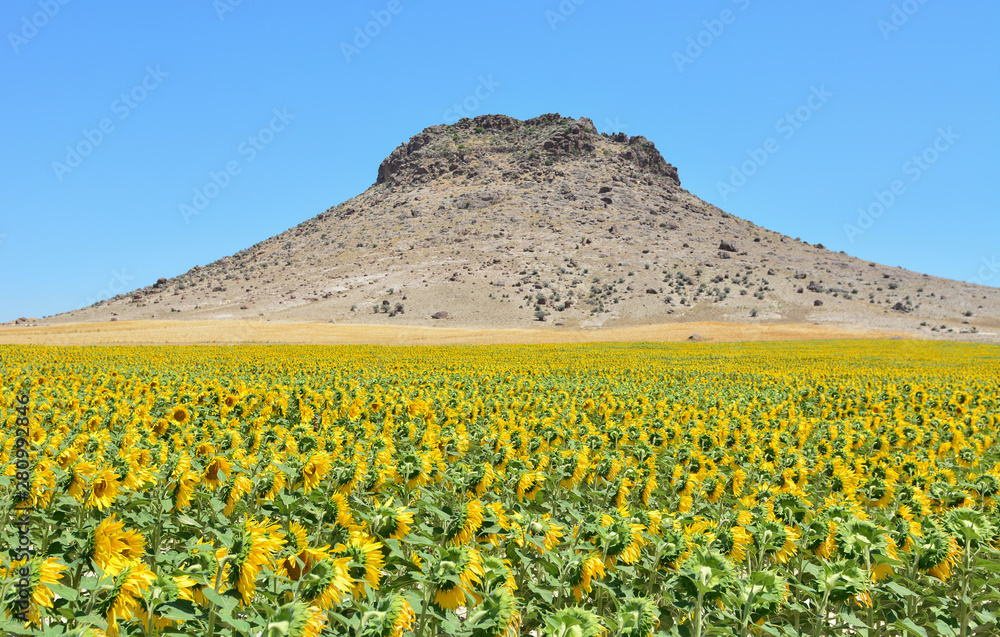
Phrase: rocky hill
[546,223]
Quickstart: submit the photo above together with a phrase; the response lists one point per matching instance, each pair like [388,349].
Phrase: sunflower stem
[696,620]
[218,575]
[423,609]
[963,622]
[156,537]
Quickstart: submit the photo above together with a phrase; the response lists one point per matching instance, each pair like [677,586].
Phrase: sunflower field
[835,488]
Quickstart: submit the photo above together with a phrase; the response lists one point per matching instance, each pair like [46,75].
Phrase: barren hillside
[495,222]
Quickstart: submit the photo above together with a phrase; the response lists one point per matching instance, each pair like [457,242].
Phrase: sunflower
[102,490]
[171,588]
[327,582]
[112,547]
[581,570]
[494,516]
[939,552]
[413,469]
[345,517]
[314,470]
[621,539]
[545,534]
[527,486]
[184,489]
[253,548]
[217,472]
[297,619]
[127,592]
[459,562]
[37,594]
[466,519]
[624,490]
[270,483]
[390,617]
[179,415]
[713,488]
[365,565]
[820,537]
[77,477]
[66,456]
[577,470]
[648,487]
[733,542]
[737,481]
[575,621]
[389,522]
[638,617]
[903,528]
[301,557]
[986,487]
[844,480]
[775,539]
[233,491]
[137,473]
[862,541]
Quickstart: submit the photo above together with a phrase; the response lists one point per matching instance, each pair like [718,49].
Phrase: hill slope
[499,222]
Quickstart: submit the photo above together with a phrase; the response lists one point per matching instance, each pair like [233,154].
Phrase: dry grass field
[258,332]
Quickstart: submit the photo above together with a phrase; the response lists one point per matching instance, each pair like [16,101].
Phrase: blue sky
[869,126]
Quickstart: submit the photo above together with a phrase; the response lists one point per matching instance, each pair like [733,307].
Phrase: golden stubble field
[268,332]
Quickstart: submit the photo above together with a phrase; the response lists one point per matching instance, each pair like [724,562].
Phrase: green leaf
[945,629]
[64,591]
[900,590]
[224,602]
[852,619]
[188,520]
[985,616]
[911,627]
[180,610]
[238,624]
[541,591]
[93,620]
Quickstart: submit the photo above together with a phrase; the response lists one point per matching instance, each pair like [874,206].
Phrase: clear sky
[794,115]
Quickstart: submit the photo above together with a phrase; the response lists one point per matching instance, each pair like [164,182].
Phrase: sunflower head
[296,619]
[574,620]
[637,617]
[453,576]
[390,616]
[179,415]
